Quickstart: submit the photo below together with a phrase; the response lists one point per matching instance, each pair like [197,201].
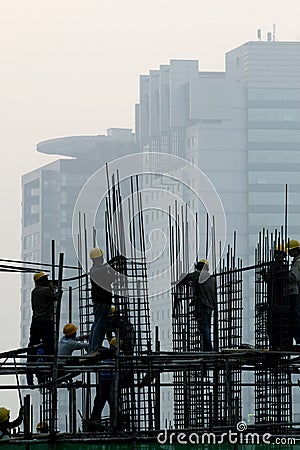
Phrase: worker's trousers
[99,326]
[203,318]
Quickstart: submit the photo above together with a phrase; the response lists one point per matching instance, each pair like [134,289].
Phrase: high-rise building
[241,128]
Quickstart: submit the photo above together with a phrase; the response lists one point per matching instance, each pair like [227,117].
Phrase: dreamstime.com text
[240,436]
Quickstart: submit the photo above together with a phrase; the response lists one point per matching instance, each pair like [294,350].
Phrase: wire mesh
[272,332]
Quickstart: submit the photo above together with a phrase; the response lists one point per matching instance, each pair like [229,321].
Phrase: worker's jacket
[7,426]
[117,323]
[203,286]
[276,278]
[102,277]
[42,303]
[204,290]
[294,277]
[67,346]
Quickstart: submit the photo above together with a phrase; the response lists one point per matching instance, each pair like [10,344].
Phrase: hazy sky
[72,67]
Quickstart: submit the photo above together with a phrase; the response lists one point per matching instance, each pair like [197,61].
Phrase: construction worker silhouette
[42,427]
[118,323]
[278,314]
[293,249]
[42,323]
[104,390]
[5,425]
[102,276]
[204,300]
[69,343]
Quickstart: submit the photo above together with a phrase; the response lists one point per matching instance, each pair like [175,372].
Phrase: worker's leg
[295,317]
[102,396]
[47,336]
[206,328]
[34,339]
[99,326]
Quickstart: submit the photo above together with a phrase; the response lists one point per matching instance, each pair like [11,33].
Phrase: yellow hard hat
[4,414]
[39,275]
[280,248]
[112,310]
[42,426]
[293,243]
[204,261]
[113,341]
[96,252]
[199,264]
[69,329]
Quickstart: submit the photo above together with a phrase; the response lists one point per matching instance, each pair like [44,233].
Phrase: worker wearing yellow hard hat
[42,427]
[293,248]
[105,387]
[274,274]
[4,414]
[101,276]
[42,322]
[112,310]
[96,253]
[6,425]
[201,263]
[203,291]
[292,244]
[118,320]
[113,342]
[38,277]
[204,302]
[69,343]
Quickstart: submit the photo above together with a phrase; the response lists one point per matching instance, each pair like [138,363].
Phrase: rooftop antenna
[259,34]
[274,32]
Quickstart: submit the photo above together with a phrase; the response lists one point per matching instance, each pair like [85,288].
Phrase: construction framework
[207,387]
[210,395]
[273,378]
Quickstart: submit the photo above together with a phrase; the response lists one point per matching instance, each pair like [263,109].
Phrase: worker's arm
[17,422]
[115,259]
[186,278]
[294,274]
[265,275]
[83,337]
[50,294]
[80,345]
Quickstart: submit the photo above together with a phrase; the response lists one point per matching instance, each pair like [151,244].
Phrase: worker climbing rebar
[102,277]
[43,299]
[204,301]
[293,248]
[119,324]
[104,391]
[276,278]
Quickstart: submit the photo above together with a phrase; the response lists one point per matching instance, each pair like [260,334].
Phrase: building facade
[241,128]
